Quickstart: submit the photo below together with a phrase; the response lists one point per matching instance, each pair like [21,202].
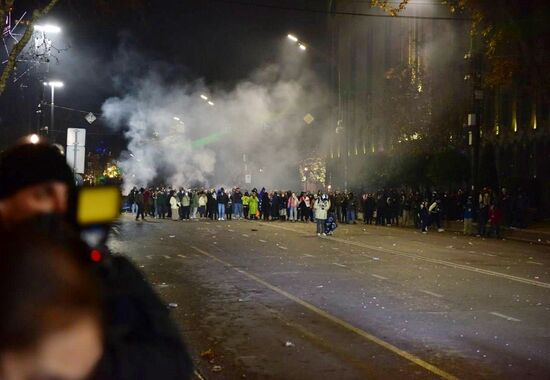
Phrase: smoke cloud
[175,137]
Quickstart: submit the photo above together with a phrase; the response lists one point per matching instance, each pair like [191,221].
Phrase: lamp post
[53,85]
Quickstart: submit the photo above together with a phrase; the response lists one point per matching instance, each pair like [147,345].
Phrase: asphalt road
[274,301]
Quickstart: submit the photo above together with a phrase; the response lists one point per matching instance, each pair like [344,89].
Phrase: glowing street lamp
[302,46]
[292,38]
[176,118]
[47,28]
[53,85]
[34,139]
[204,97]
[211,102]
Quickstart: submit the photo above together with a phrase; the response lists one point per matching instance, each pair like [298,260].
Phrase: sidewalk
[539,234]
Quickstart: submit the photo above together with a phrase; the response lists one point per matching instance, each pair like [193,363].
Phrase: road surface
[274,301]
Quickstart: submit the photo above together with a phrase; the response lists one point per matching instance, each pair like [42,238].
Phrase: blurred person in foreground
[50,324]
[141,341]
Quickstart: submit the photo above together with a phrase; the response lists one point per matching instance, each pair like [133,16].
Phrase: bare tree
[5,7]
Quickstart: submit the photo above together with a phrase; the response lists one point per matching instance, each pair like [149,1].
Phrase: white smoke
[260,118]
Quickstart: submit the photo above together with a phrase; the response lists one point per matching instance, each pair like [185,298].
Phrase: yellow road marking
[390,347]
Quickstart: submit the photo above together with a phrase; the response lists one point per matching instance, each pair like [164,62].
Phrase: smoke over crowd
[185,134]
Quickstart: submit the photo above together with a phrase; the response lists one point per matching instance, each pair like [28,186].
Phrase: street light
[302,46]
[204,97]
[53,85]
[47,28]
[176,118]
[293,38]
[34,139]
[211,103]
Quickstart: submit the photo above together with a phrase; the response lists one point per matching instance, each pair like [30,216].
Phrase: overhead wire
[338,13]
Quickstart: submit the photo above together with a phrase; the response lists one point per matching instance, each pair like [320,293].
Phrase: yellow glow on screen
[98,205]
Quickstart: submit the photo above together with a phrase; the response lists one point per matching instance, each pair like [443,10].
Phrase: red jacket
[495,216]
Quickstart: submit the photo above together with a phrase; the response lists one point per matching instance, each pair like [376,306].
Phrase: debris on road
[289,344]
[207,355]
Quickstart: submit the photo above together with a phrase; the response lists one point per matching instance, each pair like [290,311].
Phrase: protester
[468,217]
[35,180]
[321,207]
[51,319]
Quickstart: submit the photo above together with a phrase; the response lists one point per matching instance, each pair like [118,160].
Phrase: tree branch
[16,50]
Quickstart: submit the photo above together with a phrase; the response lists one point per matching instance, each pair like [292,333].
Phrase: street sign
[90,118]
[76,149]
[248,179]
[75,158]
[76,136]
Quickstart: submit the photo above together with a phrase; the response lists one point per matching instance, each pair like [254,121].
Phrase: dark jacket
[142,342]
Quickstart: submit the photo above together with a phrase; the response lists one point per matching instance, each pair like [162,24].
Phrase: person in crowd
[36,182]
[483,212]
[265,205]
[468,217]
[211,205]
[253,208]
[147,201]
[406,209]
[203,201]
[174,205]
[351,207]
[305,207]
[185,205]
[51,321]
[132,200]
[161,203]
[229,206]
[221,200]
[246,202]
[238,203]
[495,219]
[321,206]
[293,203]
[140,201]
[194,204]
[424,217]
[435,213]
[338,205]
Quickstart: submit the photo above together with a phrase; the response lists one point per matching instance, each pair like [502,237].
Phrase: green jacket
[252,206]
[195,200]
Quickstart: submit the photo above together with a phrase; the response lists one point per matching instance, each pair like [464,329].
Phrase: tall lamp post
[53,85]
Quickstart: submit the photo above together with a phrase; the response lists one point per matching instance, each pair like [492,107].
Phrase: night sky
[221,42]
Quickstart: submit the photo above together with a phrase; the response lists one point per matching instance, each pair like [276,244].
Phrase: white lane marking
[487,254]
[263,241]
[432,293]
[379,277]
[308,255]
[231,230]
[429,259]
[340,265]
[505,316]
[245,235]
[534,262]
[340,322]
[166,256]
[149,256]
[198,375]
[283,248]
[182,256]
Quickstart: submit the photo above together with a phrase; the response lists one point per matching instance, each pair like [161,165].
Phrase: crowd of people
[391,207]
